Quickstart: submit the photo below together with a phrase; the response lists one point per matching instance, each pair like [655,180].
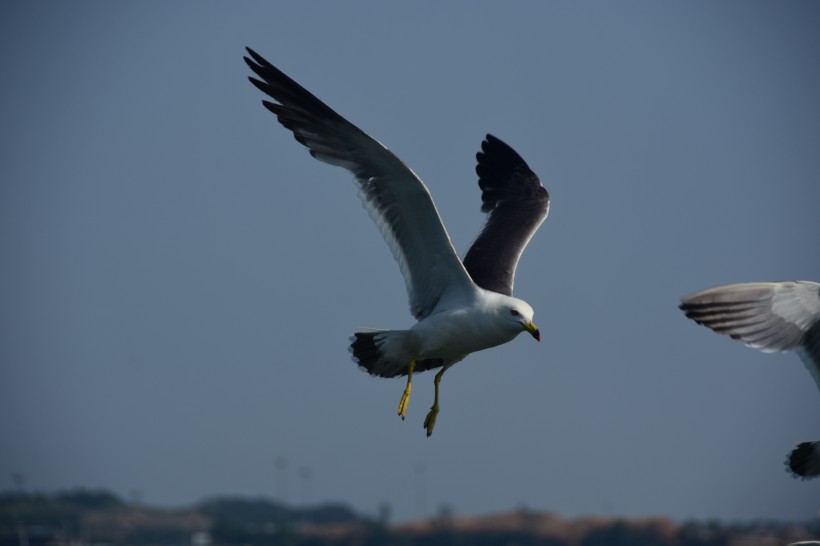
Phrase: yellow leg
[405,397]
[430,420]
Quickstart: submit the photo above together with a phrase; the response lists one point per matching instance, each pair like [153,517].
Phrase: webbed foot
[405,400]
[405,397]
[430,420]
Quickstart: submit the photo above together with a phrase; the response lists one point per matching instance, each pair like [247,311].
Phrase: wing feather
[397,200]
[769,316]
[517,204]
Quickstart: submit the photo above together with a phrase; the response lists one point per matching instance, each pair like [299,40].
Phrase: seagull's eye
[514,313]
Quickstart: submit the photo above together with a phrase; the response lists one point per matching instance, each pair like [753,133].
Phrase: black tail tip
[364,350]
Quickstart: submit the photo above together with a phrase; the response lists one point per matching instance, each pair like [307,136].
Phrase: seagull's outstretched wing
[770,316]
[517,203]
[397,200]
[804,460]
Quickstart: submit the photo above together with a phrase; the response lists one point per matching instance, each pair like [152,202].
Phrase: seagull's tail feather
[804,460]
[386,353]
[379,351]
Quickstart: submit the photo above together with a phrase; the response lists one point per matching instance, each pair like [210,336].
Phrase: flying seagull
[771,317]
[460,307]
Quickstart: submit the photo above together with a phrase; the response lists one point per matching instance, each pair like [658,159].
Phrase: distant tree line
[100,517]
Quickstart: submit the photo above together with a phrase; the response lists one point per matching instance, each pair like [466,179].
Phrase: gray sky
[180,277]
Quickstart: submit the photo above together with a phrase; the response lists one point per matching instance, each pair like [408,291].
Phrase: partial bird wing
[804,460]
[770,316]
[396,199]
[517,204]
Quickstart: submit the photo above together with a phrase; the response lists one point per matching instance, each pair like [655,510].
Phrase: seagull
[460,306]
[771,317]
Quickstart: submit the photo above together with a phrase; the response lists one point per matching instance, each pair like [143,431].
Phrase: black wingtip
[258,59]
[503,173]
[797,462]
[259,84]
[492,145]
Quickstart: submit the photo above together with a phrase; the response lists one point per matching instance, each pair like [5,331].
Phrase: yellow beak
[533,330]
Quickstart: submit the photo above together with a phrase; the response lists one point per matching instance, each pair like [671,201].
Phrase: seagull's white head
[520,314]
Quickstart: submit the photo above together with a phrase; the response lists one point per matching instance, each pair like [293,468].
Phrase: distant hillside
[83,517]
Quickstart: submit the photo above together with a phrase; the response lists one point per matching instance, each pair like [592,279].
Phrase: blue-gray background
[179,278]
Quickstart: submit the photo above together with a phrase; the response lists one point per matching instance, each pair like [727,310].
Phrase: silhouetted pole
[22,531]
[305,476]
[19,482]
[281,464]
[420,481]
